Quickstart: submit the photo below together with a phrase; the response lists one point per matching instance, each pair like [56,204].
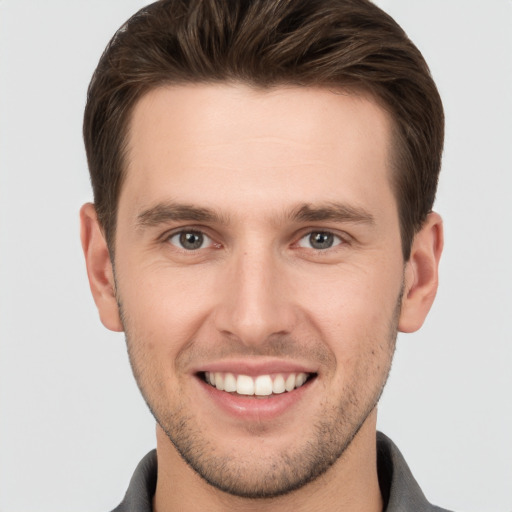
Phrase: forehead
[296,144]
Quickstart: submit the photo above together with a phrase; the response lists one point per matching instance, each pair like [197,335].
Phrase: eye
[320,240]
[190,240]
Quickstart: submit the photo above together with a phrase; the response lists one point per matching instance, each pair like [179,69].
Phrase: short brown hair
[350,44]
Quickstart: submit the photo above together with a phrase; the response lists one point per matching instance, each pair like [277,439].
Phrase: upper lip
[255,367]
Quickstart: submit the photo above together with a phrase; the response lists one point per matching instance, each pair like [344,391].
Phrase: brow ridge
[337,212]
[307,212]
[167,212]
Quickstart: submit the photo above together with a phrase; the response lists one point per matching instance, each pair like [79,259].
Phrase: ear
[99,268]
[421,274]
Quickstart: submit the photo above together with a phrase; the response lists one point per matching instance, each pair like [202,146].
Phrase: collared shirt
[400,491]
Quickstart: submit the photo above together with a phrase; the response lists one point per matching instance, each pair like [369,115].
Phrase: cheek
[355,314]
[162,309]
[348,297]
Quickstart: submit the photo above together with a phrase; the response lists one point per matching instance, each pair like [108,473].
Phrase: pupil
[191,241]
[321,240]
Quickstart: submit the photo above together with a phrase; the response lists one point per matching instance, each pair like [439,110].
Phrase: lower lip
[251,408]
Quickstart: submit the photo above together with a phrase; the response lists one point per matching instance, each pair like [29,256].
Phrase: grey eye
[190,240]
[319,240]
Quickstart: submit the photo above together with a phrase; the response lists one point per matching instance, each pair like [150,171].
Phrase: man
[264,173]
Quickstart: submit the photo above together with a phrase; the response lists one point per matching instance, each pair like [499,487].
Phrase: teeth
[219,381]
[244,385]
[301,378]
[263,385]
[289,385]
[278,385]
[230,383]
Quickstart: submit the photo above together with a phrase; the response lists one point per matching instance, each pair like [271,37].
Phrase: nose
[255,302]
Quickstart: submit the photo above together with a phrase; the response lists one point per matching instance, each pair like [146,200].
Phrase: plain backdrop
[72,424]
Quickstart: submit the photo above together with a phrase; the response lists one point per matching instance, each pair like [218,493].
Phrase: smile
[261,385]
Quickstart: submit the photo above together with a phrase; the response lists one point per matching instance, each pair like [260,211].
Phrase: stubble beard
[283,472]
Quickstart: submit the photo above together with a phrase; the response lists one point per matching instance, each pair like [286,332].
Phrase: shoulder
[400,490]
[139,496]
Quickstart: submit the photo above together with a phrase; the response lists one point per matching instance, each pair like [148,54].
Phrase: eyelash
[185,232]
[336,240]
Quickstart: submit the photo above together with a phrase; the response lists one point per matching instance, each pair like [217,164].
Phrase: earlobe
[421,274]
[99,268]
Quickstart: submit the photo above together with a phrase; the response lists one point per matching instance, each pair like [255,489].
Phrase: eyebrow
[336,212]
[169,212]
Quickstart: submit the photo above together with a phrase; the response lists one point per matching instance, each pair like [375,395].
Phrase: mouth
[260,386]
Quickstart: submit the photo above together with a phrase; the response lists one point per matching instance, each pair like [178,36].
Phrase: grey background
[72,424]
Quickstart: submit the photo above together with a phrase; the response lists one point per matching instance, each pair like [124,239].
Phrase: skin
[256,173]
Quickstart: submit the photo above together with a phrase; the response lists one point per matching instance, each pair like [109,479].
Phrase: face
[259,273]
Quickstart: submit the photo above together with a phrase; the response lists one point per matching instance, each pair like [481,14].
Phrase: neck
[350,485]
